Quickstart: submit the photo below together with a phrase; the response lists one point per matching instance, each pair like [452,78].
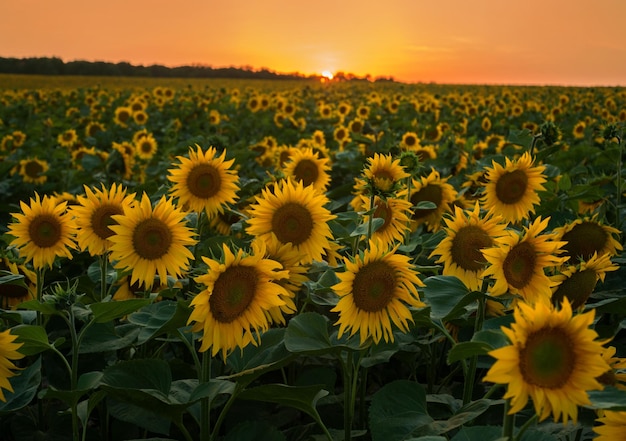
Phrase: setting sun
[328,75]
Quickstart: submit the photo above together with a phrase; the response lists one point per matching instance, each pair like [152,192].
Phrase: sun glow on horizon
[328,75]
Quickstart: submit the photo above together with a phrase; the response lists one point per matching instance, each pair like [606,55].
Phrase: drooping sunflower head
[94,216]
[554,358]
[234,308]
[8,353]
[512,190]
[588,236]
[205,181]
[309,168]
[43,231]
[293,213]
[468,233]
[151,242]
[577,282]
[376,291]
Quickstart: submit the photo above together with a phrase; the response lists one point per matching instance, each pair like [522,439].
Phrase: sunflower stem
[103,275]
[508,422]
[348,404]
[74,371]
[205,403]
[407,233]
[40,278]
[532,420]
[216,428]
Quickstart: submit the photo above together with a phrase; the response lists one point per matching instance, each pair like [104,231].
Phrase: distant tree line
[56,66]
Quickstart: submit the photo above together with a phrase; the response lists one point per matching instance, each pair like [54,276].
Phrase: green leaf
[104,337]
[8,278]
[362,229]
[34,339]
[425,205]
[610,398]
[86,383]
[467,349]
[149,374]
[308,333]
[478,433]
[159,318]
[254,431]
[464,415]
[107,311]
[139,416]
[522,137]
[94,272]
[44,308]
[445,295]
[398,411]
[25,386]
[495,338]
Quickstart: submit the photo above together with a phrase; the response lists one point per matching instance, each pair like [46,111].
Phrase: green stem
[225,409]
[348,408]
[181,426]
[470,378]
[407,233]
[74,372]
[205,403]
[104,260]
[40,279]
[508,423]
[370,220]
[526,425]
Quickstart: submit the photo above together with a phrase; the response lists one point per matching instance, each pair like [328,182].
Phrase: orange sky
[575,42]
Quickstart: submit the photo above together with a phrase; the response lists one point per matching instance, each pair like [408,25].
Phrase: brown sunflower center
[306,171]
[383,211]
[511,187]
[152,239]
[146,146]
[410,140]
[292,223]
[101,219]
[431,193]
[45,230]
[204,181]
[585,239]
[519,265]
[33,169]
[577,288]
[548,359]
[374,286]
[467,245]
[233,292]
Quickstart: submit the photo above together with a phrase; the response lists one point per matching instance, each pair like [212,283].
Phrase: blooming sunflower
[93,216]
[467,235]
[146,147]
[33,170]
[616,375]
[396,215]
[587,236]
[307,167]
[431,188]
[68,138]
[151,241]
[577,282]
[13,295]
[519,261]
[376,290]
[204,181]
[122,116]
[512,190]
[8,353]
[613,426]
[43,231]
[383,172]
[240,291]
[293,213]
[554,357]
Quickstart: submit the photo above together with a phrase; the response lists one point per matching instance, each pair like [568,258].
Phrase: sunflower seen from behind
[8,353]
[205,181]
[292,213]
[512,190]
[151,241]
[376,291]
[93,216]
[43,231]
[234,308]
[554,358]
[468,233]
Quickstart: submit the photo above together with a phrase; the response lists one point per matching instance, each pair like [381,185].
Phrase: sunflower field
[296,260]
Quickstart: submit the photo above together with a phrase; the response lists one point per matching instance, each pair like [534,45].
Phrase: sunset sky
[556,42]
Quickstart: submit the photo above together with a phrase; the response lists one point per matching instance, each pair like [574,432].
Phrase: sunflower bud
[550,133]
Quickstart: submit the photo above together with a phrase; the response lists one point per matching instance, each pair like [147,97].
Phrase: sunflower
[587,236]
[554,357]
[293,213]
[579,130]
[396,215]
[122,116]
[204,181]
[13,295]
[93,216]
[431,188]
[307,167]
[485,124]
[512,190]
[68,138]
[8,353]
[383,172]
[43,231]
[613,426]
[616,375]
[376,290]
[519,262]
[234,308]
[409,141]
[467,235]
[33,170]
[577,282]
[19,138]
[151,241]
[341,134]
[146,147]
[140,117]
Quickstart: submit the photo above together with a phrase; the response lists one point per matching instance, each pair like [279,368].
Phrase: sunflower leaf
[447,296]
[34,339]
[25,387]
[107,311]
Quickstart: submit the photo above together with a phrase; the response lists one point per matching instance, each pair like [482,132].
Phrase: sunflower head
[8,353]
[588,236]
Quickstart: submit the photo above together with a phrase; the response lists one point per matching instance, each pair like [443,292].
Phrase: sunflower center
[151,239]
[467,245]
[33,169]
[577,288]
[511,186]
[292,223]
[306,171]
[101,219]
[204,181]
[548,359]
[584,239]
[431,193]
[232,293]
[45,230]
[374,286]
[519,265]
[384,212]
